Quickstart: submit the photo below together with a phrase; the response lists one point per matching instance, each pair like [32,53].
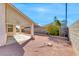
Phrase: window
[10,28]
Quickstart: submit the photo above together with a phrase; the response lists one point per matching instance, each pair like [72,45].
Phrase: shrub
[53,30]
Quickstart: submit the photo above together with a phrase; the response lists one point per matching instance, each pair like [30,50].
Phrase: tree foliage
[53,28]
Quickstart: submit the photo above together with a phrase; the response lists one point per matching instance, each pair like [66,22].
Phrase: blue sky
[44,13]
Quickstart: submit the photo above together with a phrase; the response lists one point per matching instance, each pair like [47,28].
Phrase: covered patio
[18,25]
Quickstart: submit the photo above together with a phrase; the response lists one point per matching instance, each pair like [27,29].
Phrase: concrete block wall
[74,38]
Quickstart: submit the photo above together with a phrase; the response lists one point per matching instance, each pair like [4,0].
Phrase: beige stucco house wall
[2,25]
[74,36]
[15,17]
[10,16]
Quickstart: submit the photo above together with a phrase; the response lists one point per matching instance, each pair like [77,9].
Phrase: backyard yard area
[41,46]
[48,46]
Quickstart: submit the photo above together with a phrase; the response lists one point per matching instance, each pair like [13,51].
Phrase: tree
[53,28]
[56,22]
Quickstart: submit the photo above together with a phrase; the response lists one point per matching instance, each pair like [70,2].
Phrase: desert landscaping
[43,46]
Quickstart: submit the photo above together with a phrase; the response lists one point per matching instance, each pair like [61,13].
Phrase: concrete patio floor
[14,45]
[12,50]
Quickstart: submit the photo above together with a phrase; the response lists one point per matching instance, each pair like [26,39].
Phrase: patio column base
[33,38]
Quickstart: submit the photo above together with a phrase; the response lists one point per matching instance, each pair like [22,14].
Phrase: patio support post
[20,29]
[14,28]
[32,31]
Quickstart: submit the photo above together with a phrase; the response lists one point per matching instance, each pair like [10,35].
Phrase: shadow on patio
[13,48]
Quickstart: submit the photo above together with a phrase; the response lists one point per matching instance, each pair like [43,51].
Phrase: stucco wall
[2,25]
[13,17]
[74,37]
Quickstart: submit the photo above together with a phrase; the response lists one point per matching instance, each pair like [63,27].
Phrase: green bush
[53,30]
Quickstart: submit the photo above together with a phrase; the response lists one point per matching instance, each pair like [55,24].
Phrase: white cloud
[40,9]
[39,24]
